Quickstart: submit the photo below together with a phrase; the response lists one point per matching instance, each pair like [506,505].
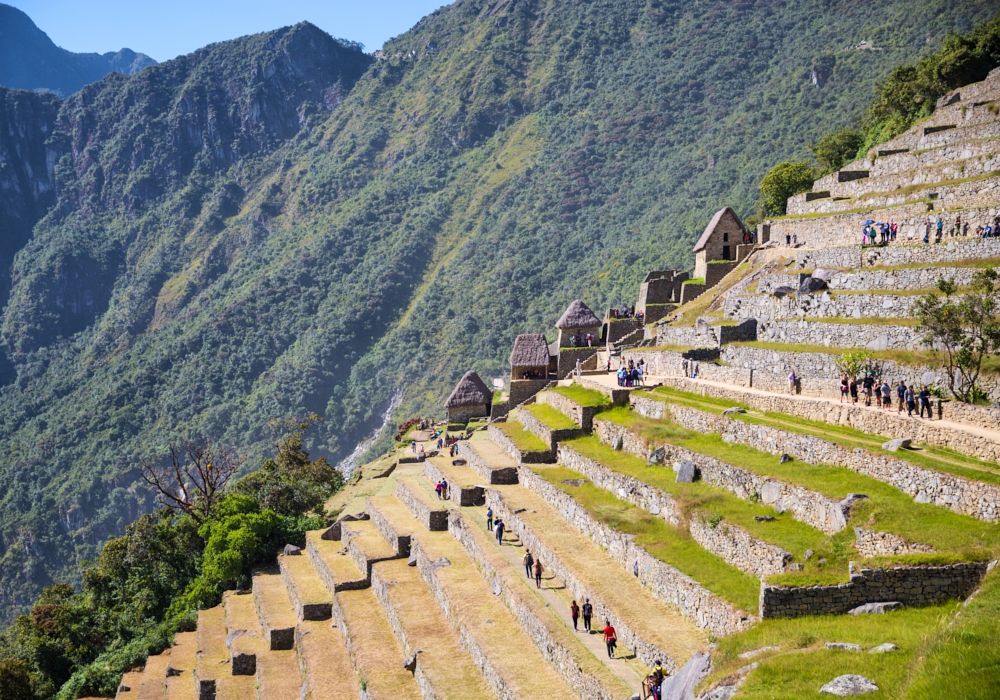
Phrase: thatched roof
[578,315]
[470,391]
[530,350]
[725,212]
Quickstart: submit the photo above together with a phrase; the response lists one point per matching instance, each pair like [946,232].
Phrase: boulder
[764,518]
[808,554]
[574,482]
[843,646]
[785,457]
[821,273]
[875,608]
[458,462]
[292,551]
[811,285]
[616,443]
[732,410]
[410,664]
[687,473]
[883,648]
[770,492]
[658,455]
[412,561]
[783,291]
[851,684]
[897,444]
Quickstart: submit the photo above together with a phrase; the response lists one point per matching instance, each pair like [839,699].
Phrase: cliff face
[30,61]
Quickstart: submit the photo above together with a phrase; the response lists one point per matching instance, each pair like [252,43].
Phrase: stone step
[653,630]
[443,668]
[428,510]
[310,598]
[277,672]
[154,677]
[375,650]
[213,671]
[493,465]
[274,609]
[504,654]
[924,158]
[128,686]
[180,672]
[325,663]
[333,564]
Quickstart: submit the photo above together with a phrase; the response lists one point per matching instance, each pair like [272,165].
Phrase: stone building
[578,321]
[716,251]
[530,357]
[471,398]
[659,294]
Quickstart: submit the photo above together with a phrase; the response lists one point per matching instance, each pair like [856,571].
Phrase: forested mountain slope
[29,60]
[241,234]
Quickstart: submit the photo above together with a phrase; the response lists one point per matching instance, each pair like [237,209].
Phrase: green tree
[781,182]
[854,363]
[835,150]
[15,682]
[965,328]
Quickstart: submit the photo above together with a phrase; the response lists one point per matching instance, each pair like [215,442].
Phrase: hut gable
[530,350]
[578,315]
[470,391]
[724,222]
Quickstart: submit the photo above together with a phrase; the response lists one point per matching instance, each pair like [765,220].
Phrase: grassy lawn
[582,396]
[522,439]
[552,418]
[669,544]
[801,665]
[666,348]
[957,537]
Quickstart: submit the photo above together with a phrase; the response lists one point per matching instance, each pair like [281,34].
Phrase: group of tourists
[441,488]
[582,340]
[882,230]
[447,441]
[626,312]
[534,374]
[990,230]
[907,397]
[497,527]
[533,568]
[630,373]
[934,231]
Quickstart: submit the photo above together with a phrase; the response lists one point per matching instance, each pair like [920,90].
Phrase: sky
[164,29]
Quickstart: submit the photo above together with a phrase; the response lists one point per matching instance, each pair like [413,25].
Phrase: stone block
[883,648]
[291,550]
[687,473]
[851,684]
[875,608]
[843,646]
[897,444]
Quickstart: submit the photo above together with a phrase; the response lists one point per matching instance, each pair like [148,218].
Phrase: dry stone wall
[581,415]
[816,306]
[854,257]
[907,278]
[911,586]
[433,519]
[695,602]
[513,451]
[877,544]
[873,336]
[463,495]
[479,464]
[543,432]
[806,506]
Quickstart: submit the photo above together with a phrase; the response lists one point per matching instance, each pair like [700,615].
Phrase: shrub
[781,182]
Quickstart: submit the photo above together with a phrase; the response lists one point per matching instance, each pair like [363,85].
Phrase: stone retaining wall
[822,305]
[514,452]
[305,611]
[912,586]
[463,495]
[973,498]
[873,336]
[739,548]
[647,653]
[326,576]
[908,278]
[503,475]
[523,389]
[435,520]
[401,543]
[666,583]
[809,507]
[543,432]
[705,335]
[561,659]
[619,397]
[581,415]
[876,544]
[854,257]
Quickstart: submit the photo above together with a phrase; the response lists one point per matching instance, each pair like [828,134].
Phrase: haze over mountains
[282,224]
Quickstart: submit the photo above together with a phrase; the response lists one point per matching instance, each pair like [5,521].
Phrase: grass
[975,262]
[522,439]
[582,396]
[669,544]
[550,417]
[871,321]
[666,348]
[694,280]
[887,509]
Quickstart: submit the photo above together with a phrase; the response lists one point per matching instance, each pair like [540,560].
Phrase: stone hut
[530,357]
[578,320]
[716,251]
[660,293]
[470,399]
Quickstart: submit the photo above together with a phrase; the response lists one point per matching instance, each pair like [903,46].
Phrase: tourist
[853,387]
[900,396]
[795,240]
[925,403]
[574,612]
[894,229]
[886,396]
[656,677]
[489,519]
[610,638]
[911,403]
[588,612]
[940,230]
[438,488]
[958,227]
[868,384]
[788,239]
[927,232]
[792,379]
[529,561]
[499,528]
[444,488]
[538,573]
[845,386]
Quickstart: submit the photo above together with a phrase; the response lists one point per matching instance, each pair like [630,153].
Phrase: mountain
[281,224]
[29,60]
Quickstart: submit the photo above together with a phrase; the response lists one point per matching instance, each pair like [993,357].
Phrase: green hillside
[247,232]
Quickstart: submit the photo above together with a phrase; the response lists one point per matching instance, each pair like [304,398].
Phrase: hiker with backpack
[610,638]
[588,612]
[499,528]
[529,562]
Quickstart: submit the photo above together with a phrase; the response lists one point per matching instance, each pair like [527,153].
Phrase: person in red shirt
[610,638]
[574,611]
[538,573]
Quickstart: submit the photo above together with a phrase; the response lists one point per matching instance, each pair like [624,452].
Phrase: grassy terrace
[663,541]
[582,396]
[550,417]
[938,458]
[522,439]
[955,537]
[864,321]
[701,499]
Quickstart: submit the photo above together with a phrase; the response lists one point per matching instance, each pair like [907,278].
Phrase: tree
[965,328]
[781,182]
[15,683]
[835,150]
[195,479]
[854,363]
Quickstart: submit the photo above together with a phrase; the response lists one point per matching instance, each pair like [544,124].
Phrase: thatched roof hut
[530,350]
[470,391]
[578,315]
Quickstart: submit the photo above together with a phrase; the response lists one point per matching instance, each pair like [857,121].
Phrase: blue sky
[164,29]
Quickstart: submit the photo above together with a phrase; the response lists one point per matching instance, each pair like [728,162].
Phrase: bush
[835,150]
[781,182]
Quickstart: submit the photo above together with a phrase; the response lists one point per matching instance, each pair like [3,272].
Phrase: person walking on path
[845,386]
[791,383]
[900,396]
[853,386]
[925,403]
[940,230]
[444,489]
[489,519]
[911,403]
[610,638]
[588,612]
[869,385]
[574,612]
[438,489]
[886,396]
[538,573]
[499,528]
[529,561]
